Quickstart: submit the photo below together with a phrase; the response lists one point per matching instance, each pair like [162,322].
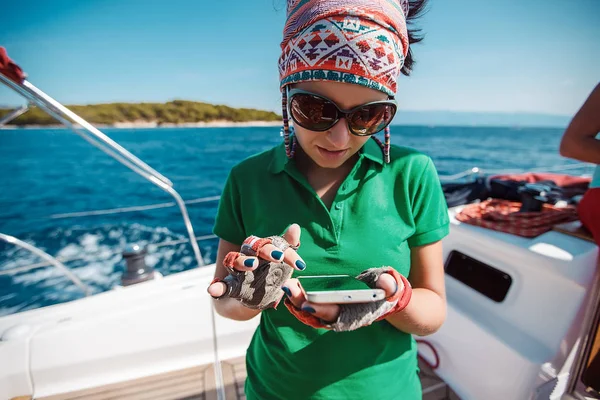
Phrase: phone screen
[331,283]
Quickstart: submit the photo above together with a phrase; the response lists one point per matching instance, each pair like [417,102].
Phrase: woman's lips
[332,154]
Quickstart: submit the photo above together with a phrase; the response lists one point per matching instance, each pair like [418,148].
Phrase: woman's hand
[258,270]
[356,313]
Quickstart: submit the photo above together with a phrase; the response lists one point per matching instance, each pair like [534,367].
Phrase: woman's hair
[416,8]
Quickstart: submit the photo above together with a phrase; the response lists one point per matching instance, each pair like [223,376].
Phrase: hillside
[173,112]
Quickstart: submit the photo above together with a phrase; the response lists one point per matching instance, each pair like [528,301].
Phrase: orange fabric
[258,243]
[403,296]
[303,316]
[504,216]
[589,212]
[9,69]
[561,180]
[230,258]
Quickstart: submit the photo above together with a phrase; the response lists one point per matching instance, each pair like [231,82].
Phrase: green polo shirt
[379,213]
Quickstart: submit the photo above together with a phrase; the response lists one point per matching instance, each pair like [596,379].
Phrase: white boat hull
[504,350]
[142,330]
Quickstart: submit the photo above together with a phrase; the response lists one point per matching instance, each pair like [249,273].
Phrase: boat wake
[93,254]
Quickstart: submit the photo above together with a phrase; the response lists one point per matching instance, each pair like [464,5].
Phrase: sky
[533,56]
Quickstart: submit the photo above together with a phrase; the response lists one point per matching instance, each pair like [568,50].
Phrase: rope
[51,260]
[436,356]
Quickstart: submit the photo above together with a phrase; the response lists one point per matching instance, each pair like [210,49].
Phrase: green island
[172,112]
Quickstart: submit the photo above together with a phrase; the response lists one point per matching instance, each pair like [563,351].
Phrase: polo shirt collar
[370,150]
[279,159]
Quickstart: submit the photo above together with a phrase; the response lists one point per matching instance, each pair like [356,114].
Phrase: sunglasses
[317,113]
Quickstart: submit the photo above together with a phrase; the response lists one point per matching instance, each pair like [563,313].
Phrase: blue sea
[48,172]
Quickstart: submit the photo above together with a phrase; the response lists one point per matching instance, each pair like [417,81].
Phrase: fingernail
[249,263]
[396,289]
[276,254]
[287,291]
[308,309]
[300,265]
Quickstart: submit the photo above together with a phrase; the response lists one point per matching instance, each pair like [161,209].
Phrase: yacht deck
[198,383]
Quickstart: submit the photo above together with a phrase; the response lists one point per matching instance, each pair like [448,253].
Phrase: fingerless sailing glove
[354,316]
[260,288]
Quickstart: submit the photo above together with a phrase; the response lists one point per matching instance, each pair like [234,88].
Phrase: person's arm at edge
[579,140]
[228,307]
[426,311]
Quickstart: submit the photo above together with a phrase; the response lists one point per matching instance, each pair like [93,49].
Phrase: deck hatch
[487,280]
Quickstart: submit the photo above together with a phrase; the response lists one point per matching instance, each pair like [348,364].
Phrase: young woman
[345,203]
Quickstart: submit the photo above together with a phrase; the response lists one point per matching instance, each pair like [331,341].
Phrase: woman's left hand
[330,312]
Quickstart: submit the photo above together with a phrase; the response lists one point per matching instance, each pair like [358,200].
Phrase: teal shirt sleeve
[429,208]
[229,224]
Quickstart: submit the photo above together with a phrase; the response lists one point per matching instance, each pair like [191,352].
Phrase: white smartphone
[338,289]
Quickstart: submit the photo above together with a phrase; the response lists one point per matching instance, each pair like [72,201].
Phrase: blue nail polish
[286,291]
[276,254]
[249,263]
[301,266]
[308,309]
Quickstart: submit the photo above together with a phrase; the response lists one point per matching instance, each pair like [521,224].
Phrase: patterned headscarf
[363,42]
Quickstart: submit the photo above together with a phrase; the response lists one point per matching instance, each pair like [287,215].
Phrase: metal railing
[61,260]
[475,171]
[99,140]
[13,114]
[49,260]
[110,211]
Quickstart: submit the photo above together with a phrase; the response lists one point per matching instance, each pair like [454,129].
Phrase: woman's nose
[339,135]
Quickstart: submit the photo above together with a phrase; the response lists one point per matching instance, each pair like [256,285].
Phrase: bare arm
[426,310]
[579,140]
[228,307]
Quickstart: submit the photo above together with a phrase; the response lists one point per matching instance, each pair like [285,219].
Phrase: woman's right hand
[259,269]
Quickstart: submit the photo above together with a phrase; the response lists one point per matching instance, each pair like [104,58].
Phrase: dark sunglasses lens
[312,112]
[371,119]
